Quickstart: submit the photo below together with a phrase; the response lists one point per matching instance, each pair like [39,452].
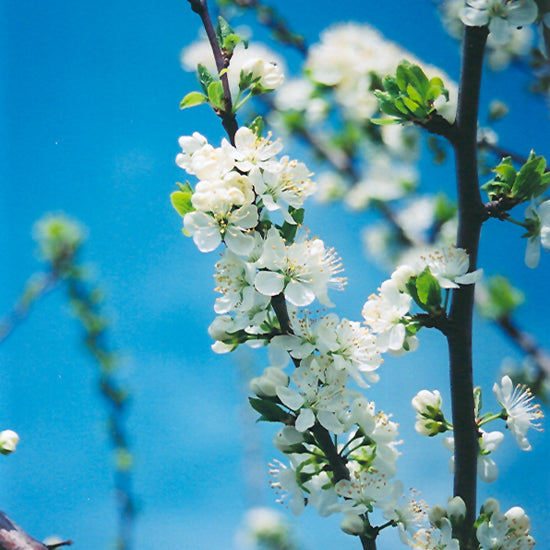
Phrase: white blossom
[509,531]
[450,267]
[268,73]
[384,313]
[539,218]
[232,226]
[487,469]
[303,271]
[436,539]
[502,16]
[252,151]
[520,410]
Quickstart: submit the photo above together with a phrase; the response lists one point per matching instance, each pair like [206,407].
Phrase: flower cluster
[508,531]
[518,410]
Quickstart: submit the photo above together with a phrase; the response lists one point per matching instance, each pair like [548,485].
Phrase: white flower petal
[305,420]
[299,294]
[289,397]
[269,283]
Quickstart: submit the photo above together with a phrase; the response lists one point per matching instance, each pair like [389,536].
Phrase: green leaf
[205,78]
[414,95]
[192,99]
[271,412]
[428,290]
[477,400]
[215,94]
[230,42]
[384,121]
[181,200]
[223,30]
[257,126]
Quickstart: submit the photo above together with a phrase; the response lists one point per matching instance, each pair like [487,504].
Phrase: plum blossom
[286,486]
[303,271]
[201,52]
[365,489]
[232,226]
[450,267]
[519,410]
[283,184]
[321,395]
[267,73]
[436,539]
[502,16]
[251,151]
[508,531]
[487,469]
[430,419]
[199,158]
[538,222]
[384,314]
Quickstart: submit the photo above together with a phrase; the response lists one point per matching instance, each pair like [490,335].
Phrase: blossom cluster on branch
[341,452]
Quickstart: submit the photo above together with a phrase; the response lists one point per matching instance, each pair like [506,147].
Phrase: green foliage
[269,410]
[516,187]
[205,78]
[425,291]
[227,37]
[257,126]
[288,230]
[500,299]
[409,96]
[181,200]
[192,99]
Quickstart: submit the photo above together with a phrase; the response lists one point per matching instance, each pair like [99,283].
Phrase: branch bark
[470,212]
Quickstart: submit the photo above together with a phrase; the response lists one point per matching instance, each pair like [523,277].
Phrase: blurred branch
[60,240]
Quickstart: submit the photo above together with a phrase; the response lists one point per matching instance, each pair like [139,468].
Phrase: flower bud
[436,514]
[8,441]
[287,437]
[266,385]
[490,506]
[518,519]
[456,510]
[352,525]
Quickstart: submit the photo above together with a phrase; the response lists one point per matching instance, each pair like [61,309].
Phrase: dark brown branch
[229,121]
[470,216]
[12,537]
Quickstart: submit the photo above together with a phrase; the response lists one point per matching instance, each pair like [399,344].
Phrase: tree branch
[470,215]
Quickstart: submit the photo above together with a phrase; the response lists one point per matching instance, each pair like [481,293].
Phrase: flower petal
[269,283]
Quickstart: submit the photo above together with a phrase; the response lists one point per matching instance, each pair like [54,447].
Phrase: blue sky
[90,121]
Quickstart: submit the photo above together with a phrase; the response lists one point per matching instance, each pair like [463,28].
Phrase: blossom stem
[229,121]
[470,216]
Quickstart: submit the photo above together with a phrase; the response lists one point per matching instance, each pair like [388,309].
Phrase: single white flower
[436,539]
[450,267]
[209,229]
[502,16]
[384,313]
[251,150]
[268,73]
[303,271]
[286,486]
[487,469]
[519,408]
[538,219]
